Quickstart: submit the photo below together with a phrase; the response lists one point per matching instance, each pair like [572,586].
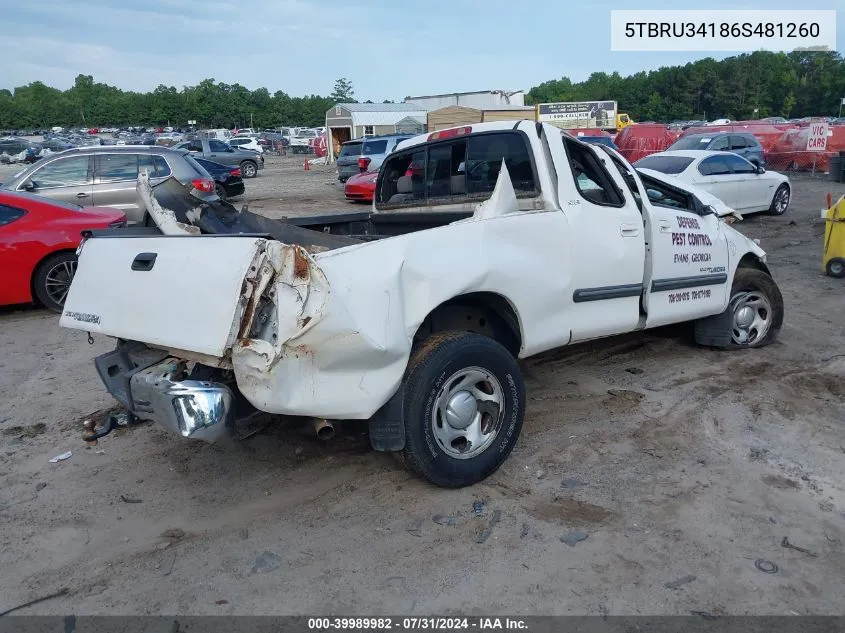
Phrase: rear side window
[350,149]
[737,142]
[664,164]
[375,147]
[714,166]
[217,146]
[116,167]
[457,170]
[156,165]
[10,214]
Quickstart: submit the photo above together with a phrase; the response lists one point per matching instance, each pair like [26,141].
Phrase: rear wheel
[756,309]
[464,401]
[780,201]
[52,280]
[221,192]
[249,169]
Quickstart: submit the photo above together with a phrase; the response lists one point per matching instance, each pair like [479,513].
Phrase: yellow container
[833,256]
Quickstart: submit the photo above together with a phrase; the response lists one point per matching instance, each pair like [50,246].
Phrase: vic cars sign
[817,138]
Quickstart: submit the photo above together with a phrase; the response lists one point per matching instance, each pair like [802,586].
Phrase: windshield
[350,149]
[691,142]
[664,164]
[375,147]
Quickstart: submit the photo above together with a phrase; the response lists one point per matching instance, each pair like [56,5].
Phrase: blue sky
[388,49]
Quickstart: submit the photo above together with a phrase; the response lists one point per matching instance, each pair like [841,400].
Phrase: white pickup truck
[486,244]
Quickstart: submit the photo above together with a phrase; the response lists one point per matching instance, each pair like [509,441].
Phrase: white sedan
[728,176]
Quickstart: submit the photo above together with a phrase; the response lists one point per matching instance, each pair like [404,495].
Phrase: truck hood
[721,209]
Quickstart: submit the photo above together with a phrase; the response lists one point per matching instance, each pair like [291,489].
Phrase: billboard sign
[578,114]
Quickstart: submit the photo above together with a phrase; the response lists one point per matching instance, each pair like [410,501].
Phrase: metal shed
[411,125]
[347,121]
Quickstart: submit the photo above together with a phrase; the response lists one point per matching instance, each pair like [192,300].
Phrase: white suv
[245,142]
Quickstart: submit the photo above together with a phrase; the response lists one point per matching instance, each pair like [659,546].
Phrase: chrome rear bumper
[193,408]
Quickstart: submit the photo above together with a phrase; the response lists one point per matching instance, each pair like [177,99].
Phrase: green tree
[343,91]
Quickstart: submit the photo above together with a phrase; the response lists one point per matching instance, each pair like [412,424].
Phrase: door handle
[664,227]
[629,230]
[144,261]
[81,195]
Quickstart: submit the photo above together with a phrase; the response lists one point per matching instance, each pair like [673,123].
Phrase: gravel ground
[682,466]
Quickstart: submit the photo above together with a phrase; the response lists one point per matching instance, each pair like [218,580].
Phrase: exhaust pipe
[324,429]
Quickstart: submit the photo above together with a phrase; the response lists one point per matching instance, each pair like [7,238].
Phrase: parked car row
[45,207]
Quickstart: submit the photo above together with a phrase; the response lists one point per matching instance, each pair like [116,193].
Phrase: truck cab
[623,121]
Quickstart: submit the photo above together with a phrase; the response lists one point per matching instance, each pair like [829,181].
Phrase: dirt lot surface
[682,466]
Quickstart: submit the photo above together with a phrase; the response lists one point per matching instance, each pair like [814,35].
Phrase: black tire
[221,192]
[835,267]
[776,208]
[249,169]
[431,372]
[48,277]
[748,283]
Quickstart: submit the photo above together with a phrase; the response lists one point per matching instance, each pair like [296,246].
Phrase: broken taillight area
[363,163]
[203,184]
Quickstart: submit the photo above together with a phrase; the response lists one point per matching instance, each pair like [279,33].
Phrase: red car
[38,241]
[361,187]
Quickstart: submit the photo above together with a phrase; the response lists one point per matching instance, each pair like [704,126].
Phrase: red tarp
[790,152]
[642,139]
[767,134]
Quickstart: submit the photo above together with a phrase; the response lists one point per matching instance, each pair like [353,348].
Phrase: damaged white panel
[349,353]
[164,218]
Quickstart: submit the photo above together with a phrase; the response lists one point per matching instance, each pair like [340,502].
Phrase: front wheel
[52,280]
[836,267]
[780,201]
[464,402]
[756,309]
[249,169]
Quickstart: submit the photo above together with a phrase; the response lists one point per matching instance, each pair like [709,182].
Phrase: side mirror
[28,185]
[760,169]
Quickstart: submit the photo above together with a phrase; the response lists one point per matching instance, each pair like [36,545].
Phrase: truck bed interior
[314,233]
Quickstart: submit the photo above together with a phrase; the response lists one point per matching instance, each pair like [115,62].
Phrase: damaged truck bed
[413,320]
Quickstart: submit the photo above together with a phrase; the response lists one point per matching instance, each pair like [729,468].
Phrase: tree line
[748,86]
[759,84]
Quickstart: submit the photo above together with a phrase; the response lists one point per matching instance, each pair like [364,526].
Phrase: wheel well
[750,260]
[38,265]
[485,313]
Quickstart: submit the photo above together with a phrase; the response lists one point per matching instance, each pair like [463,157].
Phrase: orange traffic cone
[307,165]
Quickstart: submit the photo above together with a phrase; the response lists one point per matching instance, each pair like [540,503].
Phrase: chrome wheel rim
[248,171]
[752,317]
[468,413]
[58,280]
[836,268]
[781,200]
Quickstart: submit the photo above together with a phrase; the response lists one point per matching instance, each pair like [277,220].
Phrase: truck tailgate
[172,292]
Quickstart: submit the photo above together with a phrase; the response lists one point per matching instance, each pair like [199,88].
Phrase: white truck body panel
[342,322]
